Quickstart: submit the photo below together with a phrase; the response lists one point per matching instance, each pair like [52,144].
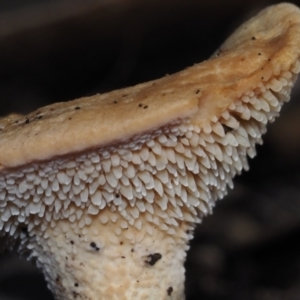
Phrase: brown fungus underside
[105,191]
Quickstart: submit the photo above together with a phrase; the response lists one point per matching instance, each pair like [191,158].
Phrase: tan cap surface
[258,50]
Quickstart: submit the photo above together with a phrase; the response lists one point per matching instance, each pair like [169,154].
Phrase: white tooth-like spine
[168,176]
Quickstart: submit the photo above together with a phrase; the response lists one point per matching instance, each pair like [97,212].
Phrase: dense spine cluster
[171,175]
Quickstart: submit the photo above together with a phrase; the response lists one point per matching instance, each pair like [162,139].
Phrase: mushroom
[104,192]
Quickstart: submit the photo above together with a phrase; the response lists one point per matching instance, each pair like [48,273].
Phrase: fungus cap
[262,47]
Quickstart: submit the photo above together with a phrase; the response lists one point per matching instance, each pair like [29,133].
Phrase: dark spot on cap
[262,78]
[253,38]
[123,256]
[269,59]
[153,258]
[169,291]
[77,107]
[72,242]
[121,243]
[115,102]
[259,53]
[140,105]
[132,250]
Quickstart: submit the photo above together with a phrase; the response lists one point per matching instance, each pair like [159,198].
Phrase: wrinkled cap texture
[138,167]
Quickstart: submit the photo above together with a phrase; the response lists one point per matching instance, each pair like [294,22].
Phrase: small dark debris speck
[117,196]
[269,59]
[121,243]
[123,257]
[115,102]
[253,38]
[76,284]
[140,105]
[72,242]
[198,91]
[259,53]
[169,291]
[94,246]
[77,107]
[27,121]
[262,78]
[132,250]
[146,106]
[153,258]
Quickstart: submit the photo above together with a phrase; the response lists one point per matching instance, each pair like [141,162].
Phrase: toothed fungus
[105,191]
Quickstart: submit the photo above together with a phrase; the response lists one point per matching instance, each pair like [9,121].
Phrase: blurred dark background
[58,50]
